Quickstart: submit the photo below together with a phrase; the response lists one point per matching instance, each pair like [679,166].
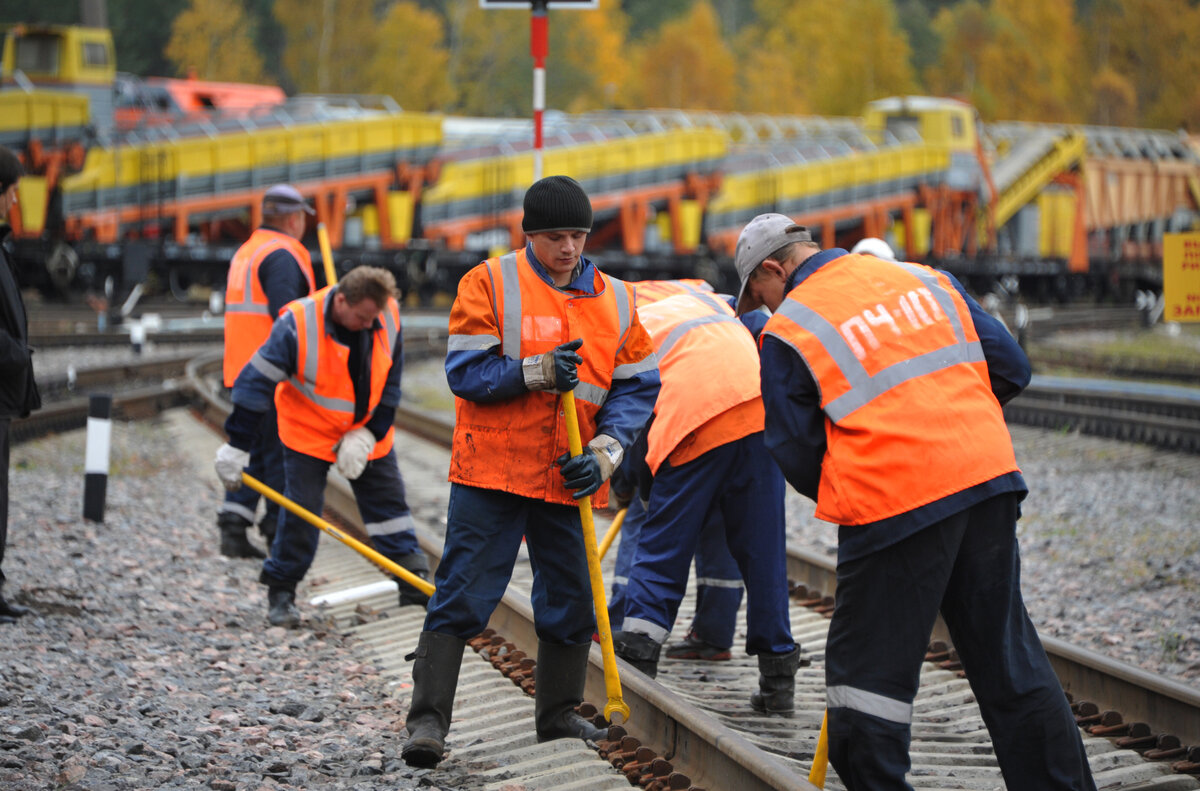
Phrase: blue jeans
[740,481]
[483,535]
[968,566]
[266,465]
[718,581]
[379,493]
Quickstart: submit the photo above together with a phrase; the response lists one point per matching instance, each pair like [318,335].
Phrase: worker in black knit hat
[525,327]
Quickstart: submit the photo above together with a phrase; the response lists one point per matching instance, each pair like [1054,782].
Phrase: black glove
[554,370]
[582,473]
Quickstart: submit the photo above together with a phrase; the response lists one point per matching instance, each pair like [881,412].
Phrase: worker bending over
[704,449]
[332,365]
[525,327]
[883,384]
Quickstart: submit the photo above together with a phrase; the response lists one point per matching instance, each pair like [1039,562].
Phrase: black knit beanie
[557,203]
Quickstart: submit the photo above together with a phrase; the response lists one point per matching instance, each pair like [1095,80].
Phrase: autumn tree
[827,58]
[686,64]
[328,43]
[211,38]
[589,67]
[410,62]
[489,64]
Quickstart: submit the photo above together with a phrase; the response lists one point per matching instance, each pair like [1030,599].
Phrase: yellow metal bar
[821,757]
[308,516]
[326,254]
[613,529]
[612,681]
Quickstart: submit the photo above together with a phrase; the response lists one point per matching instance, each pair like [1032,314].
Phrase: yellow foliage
[686,64]
[411,61]
[329,43]
[211,39]
[592,57]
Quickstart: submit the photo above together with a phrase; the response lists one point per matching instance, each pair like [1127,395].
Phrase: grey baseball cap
[284,199]
[762,236]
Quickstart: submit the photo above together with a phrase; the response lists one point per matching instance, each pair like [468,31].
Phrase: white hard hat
[875,247]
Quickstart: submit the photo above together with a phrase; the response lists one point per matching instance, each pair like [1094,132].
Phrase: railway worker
[270,270]
[704,449]
[883,384]
[332,367]
[18,391]
[525,327]
[718,580]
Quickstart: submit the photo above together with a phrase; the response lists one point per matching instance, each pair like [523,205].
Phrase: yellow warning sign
[1181,277]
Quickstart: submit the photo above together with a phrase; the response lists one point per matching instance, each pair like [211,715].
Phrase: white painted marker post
[95,468]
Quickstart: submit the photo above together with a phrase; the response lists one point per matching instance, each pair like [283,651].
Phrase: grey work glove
[554,370]
[229,464]
[352,452]
[588,471]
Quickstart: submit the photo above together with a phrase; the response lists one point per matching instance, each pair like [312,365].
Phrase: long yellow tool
[326,254]
[613,529]
[424,586]
[612,681]
[816,775]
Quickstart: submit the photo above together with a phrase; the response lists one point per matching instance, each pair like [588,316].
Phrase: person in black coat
[18,392]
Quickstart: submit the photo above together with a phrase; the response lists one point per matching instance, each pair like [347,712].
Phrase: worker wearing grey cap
[883,383]
[270,270]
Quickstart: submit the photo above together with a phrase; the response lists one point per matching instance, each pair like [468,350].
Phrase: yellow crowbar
[821,757]
[612,681]
[387,564]
[326,254]
[613,529]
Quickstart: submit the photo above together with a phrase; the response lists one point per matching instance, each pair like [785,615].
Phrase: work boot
[559,678]
[282,607]
[7,619]
[435,677]
[776,683]
[639,650]
[692,647]
[10,610]
[234,543]
[418,564]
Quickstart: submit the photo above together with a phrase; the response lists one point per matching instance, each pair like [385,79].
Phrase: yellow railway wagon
[126,175]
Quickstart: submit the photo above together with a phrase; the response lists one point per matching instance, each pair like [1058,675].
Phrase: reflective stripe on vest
[316,404]
[505,306]
[910,415]
[248,316]
[648,291]
[707,362]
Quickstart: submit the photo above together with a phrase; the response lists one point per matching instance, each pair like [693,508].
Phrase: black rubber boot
[234,543]
[638,650]
[418,564]
[559,680]
[282,607]
[435,677]
[10,610]
[777,683]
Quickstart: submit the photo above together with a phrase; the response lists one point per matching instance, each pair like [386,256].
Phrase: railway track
[694,720]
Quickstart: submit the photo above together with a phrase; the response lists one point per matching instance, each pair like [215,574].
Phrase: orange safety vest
[910,416]
[648,291]
[504,304]
[707,362]
[248,316]
[316,404]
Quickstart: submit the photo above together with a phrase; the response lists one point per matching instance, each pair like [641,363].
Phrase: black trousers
[5,424]
[967,566]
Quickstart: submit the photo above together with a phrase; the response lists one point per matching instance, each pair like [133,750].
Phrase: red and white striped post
[539,48]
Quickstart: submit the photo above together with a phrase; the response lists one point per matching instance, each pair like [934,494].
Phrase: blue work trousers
[718,581]
[741,483]
[266,465]
[968,566]
[379,494]
[484,528]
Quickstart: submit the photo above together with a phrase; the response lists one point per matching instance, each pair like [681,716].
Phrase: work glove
[229,463]
[588,471]
[352,451]
[554,370]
